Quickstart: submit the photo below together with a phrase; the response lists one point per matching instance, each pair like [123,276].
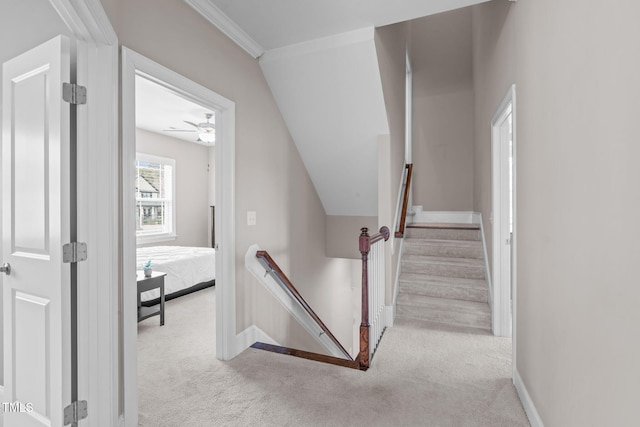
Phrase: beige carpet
[420,377]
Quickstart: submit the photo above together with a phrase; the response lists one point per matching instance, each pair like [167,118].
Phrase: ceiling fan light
[207,136]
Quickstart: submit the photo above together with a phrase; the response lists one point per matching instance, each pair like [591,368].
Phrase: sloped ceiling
[320,61]
[330,93]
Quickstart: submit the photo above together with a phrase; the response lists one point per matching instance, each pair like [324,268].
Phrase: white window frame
[171,234]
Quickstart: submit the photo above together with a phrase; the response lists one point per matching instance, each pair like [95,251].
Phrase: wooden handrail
[365,246]
[405,201]
[275,269]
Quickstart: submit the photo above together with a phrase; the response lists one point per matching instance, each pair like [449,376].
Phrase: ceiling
[276,23]
[159,109]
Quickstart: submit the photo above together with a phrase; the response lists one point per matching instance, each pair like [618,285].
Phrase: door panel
[36,206]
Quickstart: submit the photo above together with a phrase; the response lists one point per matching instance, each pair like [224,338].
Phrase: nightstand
[146,284]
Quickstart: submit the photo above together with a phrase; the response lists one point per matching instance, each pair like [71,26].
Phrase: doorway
[136,66]
[503,213]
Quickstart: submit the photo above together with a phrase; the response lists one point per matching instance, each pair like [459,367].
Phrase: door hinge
[74,252]
[75,412]
[74,94]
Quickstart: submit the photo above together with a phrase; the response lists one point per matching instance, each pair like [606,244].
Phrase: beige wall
[270,176]
[192,185]
[343,234]
[576,66]
[443,111]
[391,46]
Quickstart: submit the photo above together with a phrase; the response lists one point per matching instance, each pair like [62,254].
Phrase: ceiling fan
[206,130]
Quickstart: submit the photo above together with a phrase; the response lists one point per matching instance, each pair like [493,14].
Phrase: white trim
[275,288]
[87,20]
[324,43]
[97,171]
[501,307]
[396,218]
[134,64]
[225,24]
[487,270]
[462,217]
[527,402]
[251,335]
[396,284]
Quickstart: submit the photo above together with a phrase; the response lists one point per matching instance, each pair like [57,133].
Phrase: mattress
[185,267]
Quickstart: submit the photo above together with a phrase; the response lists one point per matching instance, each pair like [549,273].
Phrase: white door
[503,214]
[35,211]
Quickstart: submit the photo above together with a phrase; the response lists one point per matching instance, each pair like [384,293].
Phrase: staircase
[442,278]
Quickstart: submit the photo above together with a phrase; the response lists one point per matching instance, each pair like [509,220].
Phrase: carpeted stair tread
[443,287]
[443,233]
[470,268]
[447,225]
[443,310]
[444,248]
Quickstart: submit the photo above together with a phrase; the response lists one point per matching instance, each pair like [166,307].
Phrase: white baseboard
[389,315]
[527,403]
[249,336]
[462,217]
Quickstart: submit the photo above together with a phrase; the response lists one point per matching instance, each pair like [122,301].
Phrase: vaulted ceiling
[320,60]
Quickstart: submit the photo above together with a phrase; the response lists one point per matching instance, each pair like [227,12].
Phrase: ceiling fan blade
[190,123]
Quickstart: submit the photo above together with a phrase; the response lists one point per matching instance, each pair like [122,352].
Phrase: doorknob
[6,268]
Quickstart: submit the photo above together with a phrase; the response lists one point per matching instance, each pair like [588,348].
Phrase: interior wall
[343,234]
[391,47]
[192,185]
[443,115]
[25,30]
[577,96]
[270,176]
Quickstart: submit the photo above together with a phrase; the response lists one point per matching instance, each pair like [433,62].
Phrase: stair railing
[286,293]
[373,293]
[408,169]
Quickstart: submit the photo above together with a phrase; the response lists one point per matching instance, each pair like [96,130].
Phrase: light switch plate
[251,217]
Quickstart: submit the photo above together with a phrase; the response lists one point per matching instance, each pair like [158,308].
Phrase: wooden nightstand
[146,284]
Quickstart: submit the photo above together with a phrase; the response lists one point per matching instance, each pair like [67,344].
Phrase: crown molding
[213,14]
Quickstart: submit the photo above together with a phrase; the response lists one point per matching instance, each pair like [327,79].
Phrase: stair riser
[442,234]
[474,320]
[435,269]
[466,294]
[413,247]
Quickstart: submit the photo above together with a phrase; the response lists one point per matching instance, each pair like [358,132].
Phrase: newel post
[365,247]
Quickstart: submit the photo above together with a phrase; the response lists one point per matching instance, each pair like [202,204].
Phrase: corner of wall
[527,402]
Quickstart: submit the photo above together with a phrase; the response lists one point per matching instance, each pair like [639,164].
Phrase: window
[155,207]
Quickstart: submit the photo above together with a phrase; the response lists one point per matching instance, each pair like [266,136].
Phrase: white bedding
[185,266]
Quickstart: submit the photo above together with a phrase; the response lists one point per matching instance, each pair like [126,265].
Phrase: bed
[188,269]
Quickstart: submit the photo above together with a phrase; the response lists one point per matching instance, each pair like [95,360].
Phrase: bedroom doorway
[156,213]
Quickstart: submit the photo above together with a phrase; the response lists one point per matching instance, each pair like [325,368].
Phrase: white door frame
[135,64]
[502,318]
[97,200]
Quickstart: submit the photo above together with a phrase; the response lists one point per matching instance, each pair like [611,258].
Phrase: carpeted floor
[419,377]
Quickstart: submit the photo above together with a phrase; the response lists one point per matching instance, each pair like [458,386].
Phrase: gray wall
[576,67]
[192,185]
[290,217]
[443,111]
